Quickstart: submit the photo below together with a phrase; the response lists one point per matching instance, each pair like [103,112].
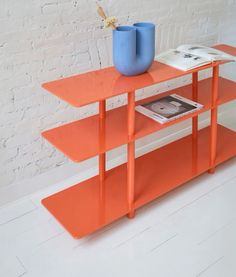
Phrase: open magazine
[168,108]
[187,56]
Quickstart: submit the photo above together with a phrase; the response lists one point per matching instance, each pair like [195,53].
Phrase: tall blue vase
[134,48]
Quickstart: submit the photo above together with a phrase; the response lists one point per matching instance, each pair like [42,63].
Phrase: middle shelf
[79,140]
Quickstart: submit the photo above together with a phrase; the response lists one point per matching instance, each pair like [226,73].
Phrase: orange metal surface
[195,98]
[226,48]
[195,119]
[214,96]
[82,210]
[102,137]
[130,153]
[72,139]
[98,85]
[102,155]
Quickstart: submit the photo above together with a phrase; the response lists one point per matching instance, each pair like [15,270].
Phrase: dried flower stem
[109,21]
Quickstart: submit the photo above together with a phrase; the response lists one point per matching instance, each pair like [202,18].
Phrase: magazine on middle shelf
[190,56]
[168,108]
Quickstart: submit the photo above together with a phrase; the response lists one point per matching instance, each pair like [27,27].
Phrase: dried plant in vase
[109,21]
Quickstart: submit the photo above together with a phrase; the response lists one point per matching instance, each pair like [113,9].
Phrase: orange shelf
[72,139]
[94,203]
[90,205]
[90,87]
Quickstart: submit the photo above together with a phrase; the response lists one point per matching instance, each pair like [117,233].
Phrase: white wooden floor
[188,233]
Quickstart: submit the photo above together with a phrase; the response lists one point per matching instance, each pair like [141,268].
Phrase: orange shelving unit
[98,201]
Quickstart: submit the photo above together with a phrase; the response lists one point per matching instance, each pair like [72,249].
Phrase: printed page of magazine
[207,53]
[181,60]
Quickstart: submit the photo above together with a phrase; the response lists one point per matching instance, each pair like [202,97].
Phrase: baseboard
[70,173]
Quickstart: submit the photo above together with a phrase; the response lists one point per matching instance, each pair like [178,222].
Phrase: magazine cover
[168,108]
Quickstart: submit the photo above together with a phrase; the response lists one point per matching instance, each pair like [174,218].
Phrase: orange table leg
[102,158]
[194,122]
[131,153]
[213,137]
[102,155]
[195,98]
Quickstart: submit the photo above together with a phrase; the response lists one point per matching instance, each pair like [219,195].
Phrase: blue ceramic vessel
[134,48]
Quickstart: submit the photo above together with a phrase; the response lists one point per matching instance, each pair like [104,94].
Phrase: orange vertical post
[102,158]
[194,123]
[131,153]
[213,135]
[195,98]
[102,155]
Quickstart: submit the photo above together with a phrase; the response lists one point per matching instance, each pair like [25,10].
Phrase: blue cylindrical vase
[134,48]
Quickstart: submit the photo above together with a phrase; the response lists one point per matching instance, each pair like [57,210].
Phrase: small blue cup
[134,48]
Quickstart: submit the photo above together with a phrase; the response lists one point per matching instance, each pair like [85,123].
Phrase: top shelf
[90,87]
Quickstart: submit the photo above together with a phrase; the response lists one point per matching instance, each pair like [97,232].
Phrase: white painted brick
[26,172]
[6,132]
[3,10]
[49,8]
[45,40]
[103,52]
[57,50]
[80,46]
[7,25]
[94,55]
[13,47]
[8,154]
[18,9]
[82,58]
[68,60]
[75,69]
[20,80]
[7,178]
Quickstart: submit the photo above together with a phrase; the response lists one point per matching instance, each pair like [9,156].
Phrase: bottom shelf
[90,205]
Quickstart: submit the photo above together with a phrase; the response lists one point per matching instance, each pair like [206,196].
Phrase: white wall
[42,40]
[227,34]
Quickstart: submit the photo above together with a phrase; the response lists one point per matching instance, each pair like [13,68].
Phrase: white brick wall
[227,34]
[42,40]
